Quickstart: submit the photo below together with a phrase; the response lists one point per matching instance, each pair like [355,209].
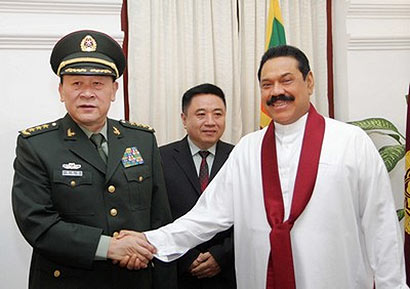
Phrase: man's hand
[204,266]
[130,249]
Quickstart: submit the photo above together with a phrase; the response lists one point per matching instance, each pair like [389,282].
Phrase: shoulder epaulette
[35,130]
[137,125]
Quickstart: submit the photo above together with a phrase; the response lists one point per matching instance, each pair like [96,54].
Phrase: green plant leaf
[400,214]
[392,154]
[395,136]
[375,123]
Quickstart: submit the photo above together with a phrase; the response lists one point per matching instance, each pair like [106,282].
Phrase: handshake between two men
[130,249]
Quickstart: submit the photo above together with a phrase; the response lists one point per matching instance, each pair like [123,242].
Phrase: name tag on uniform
[73,173]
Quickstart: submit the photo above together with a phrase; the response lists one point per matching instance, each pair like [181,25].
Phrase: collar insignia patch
[116,131]
[70,133]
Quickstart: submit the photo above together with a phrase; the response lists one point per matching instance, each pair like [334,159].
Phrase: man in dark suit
[189,164]
[81,179]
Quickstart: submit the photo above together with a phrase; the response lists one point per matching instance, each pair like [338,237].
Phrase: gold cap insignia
[88,44]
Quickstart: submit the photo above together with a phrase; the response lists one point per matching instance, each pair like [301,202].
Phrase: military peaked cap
[87,52]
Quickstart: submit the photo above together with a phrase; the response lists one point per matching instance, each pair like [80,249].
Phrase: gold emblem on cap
[88,44]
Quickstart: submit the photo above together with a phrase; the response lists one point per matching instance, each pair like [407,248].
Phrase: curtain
[305,25]
[174,45]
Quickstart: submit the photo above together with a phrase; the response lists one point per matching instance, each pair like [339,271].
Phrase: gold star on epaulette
[38,129]
[137,125]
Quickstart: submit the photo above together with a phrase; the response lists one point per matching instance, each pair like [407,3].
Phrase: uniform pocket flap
[137,174]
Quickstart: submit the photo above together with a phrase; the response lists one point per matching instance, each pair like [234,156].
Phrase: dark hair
[205,88]
[286,50]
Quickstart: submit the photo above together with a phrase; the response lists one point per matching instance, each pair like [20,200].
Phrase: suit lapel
[78,143]
[116,148]
[222,153]
[183,157]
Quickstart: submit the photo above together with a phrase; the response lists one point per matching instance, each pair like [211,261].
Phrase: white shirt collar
[195,149]
[295,127]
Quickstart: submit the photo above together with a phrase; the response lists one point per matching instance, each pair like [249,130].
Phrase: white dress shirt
[197,157]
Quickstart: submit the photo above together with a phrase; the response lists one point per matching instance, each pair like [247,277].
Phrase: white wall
[372,65]
[28,31]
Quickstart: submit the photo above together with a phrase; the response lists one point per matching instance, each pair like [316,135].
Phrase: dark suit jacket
[63,199]
[184,190]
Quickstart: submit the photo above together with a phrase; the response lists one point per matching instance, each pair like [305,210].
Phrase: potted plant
[392,153]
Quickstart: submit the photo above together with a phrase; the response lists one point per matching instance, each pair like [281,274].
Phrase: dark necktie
[203,171]
[97,140]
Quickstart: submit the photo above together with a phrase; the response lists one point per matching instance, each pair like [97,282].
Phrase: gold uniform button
[140,178]
[113,212]
[115,234]
[111,189]
[73,183]
[57,273]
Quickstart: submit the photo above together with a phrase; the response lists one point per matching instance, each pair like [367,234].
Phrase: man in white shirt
[309,196]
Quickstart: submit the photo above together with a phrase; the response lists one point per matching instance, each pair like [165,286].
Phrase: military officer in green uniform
[81,179]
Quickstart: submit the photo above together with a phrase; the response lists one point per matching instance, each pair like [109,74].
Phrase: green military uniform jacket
[64,197]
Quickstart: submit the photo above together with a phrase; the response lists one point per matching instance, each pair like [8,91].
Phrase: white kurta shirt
[288,146]
[347,235]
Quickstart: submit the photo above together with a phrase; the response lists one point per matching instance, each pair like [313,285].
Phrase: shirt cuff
[165,251]
[102,248]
